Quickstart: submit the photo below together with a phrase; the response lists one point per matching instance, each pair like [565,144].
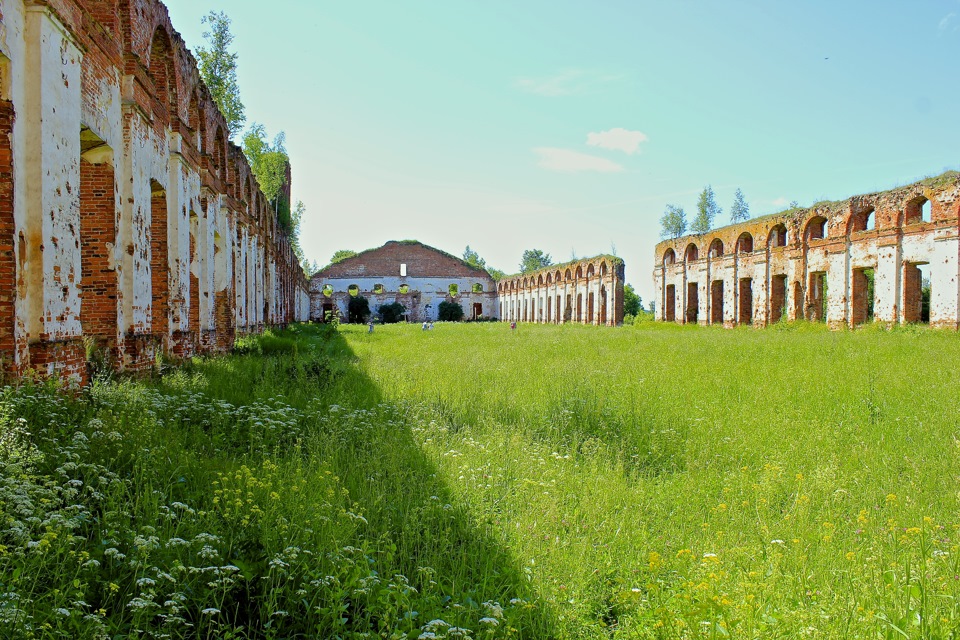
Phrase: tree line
[268,161]
[673,222]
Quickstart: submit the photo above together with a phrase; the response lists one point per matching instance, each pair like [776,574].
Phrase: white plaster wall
[49,114]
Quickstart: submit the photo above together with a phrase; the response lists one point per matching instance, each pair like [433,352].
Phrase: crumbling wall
[588,291]
[129,216]
[842,263]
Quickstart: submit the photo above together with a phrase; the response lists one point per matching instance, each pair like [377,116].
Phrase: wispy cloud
[780,202]
[567,161]
[617,139]
[567,82]
[948,23]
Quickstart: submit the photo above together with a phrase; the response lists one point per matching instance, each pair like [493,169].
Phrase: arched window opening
[353,290]
[778,237]
[579,273]
[591,271]
[745,243]
[477,287]
[454,290]
[404,288]
[917,210]
[863,221]
[549,279]
[817,228]
[378,288]
[327,290]
[669,257]
[716,248]
[162,72]
[692,253]
[603,269]
[568,275]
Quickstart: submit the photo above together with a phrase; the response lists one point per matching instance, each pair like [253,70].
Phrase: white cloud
[780,202]
[565,83]
[945,22]
[567,161]
[618,139]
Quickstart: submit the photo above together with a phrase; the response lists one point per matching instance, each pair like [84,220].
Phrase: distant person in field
[424,327]
[513,325]
[371,327]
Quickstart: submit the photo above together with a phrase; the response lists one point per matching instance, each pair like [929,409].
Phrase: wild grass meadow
[471,481]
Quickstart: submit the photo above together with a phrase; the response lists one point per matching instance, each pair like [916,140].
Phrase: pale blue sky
[460,123]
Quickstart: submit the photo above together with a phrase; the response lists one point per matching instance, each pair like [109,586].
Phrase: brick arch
[669,257]
[778,236]
[591,270]
[162,70]
[603,268]
[716,248]
[691,253]
[744,243]
[859,218]
[815,228]
[579,272]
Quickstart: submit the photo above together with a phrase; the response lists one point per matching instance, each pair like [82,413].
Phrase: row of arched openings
[554,277]
[918,210]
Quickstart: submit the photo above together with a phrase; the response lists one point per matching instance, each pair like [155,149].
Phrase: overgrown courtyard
[569,482]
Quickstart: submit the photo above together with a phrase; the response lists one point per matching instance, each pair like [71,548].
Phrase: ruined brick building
[409,272]
[126,215]
[588,291]
[838,262]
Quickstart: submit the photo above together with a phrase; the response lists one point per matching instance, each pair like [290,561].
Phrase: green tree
[392,313]
[673,222]
[496,274]
[534,260]
[473,258]
[358,309]
[342,255]
[296,217]
[218,68]
[269,164]
[740,210]
[310,267]
[450,312]
[632,303]
[707,211]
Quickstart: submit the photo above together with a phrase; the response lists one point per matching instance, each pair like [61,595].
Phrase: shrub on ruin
[358,309]
[392,313]
[450,312]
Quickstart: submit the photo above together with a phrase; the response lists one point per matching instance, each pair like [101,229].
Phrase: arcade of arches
[126,215]
[892,256]
[586,291]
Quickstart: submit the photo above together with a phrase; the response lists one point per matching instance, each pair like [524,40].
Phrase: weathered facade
[588,291]
[839,262]
[126,215]
[415,275]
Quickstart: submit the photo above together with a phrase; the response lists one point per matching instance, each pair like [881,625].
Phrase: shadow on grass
[413,525]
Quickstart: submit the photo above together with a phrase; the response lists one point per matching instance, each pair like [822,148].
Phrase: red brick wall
[98,311]
[422,262]
[159,267]
[8,258]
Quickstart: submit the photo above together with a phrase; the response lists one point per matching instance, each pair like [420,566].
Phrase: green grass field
[472,481]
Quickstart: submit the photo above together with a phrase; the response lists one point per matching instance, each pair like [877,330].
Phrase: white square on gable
[403,269]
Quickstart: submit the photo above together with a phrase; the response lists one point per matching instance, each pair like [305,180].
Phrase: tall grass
[472,481]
